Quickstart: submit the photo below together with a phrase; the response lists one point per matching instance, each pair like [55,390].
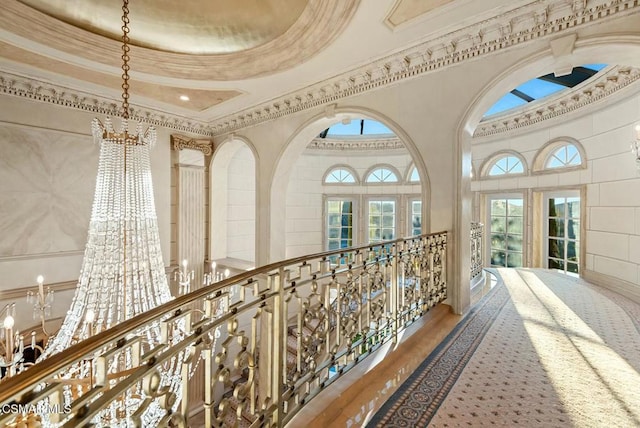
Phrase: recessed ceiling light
[184,98]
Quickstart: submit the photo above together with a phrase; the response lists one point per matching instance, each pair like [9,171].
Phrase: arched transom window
[382,175]
[339,175]
[564,156]
[506,165]
[414,176]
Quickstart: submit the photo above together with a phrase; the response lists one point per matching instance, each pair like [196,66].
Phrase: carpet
[417,400]
[542,349]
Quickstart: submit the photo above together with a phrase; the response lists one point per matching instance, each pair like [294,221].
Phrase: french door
[506,228]
[562,233]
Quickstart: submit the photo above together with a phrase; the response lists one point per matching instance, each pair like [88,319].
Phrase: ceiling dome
[202,26]
[195,40]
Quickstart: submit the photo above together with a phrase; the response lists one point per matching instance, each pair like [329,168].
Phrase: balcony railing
[261,344]
[477,261]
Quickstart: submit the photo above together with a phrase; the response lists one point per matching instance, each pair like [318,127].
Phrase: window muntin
[382,220]
[382,175]
[415,217]
[340,215]
[356,127]
[507,230]
[563,230]
[339,175]
[564,156]
[541,87]
[506,165]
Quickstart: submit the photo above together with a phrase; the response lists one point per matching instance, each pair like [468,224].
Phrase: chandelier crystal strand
[122,272]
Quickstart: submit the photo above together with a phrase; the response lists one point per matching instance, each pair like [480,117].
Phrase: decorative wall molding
[591,91]
[42,256]
[180,142]
[24,87]
[21,293]
[57,287]
[356,144]
[536,20]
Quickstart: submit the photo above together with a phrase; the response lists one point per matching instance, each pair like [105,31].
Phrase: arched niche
[233,203]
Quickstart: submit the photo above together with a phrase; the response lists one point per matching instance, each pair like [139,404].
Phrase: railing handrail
[15,386]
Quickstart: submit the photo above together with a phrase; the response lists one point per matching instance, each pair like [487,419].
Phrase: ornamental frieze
[181,142]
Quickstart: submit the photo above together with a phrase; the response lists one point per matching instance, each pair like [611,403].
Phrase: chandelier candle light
[13,359]
[123,272]
[184,277]
[214,276]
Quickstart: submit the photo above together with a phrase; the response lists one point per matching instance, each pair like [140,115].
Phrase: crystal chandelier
[122,272]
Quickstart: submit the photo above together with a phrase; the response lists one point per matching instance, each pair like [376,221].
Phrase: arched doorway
[302,196]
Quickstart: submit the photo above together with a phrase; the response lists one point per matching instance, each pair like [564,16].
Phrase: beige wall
[241,206]
[304,212]
[48,167]
[610,179]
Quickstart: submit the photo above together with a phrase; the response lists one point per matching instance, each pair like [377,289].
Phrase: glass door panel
[506,231]
[415,219]
[382,220]
[563,232]
[339,224]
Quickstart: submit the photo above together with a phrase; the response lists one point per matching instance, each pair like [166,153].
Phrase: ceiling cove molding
[591,91]
[536,20]
[36,90]
[320,23]
[356,144]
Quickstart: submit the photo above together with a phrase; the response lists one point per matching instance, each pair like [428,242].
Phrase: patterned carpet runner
[542,349]
[416,401]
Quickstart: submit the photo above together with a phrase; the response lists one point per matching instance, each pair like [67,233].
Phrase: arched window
[414,175]
[339,175]
[382,175]
[564,156]
[558,154]
[505,165]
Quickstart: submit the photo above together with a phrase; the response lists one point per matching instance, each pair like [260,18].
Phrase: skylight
[541,87]
[356,127]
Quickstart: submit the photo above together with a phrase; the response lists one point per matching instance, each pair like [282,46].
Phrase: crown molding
[37,90]
[359,144]
[536,20]
[541,18]
[608,83]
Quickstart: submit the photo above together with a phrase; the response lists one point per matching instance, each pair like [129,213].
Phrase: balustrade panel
[266,341]
[477,260]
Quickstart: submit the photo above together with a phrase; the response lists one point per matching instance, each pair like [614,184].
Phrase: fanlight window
[506,165]
[414,177]
[340,175]
[564,156]
[382,175]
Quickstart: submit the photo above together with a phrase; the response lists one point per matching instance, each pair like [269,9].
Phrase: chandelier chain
[125,59]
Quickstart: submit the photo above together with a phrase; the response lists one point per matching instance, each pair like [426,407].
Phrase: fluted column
[189,225]
[189,204]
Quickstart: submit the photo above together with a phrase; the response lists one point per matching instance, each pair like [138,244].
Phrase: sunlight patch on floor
[593,382]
